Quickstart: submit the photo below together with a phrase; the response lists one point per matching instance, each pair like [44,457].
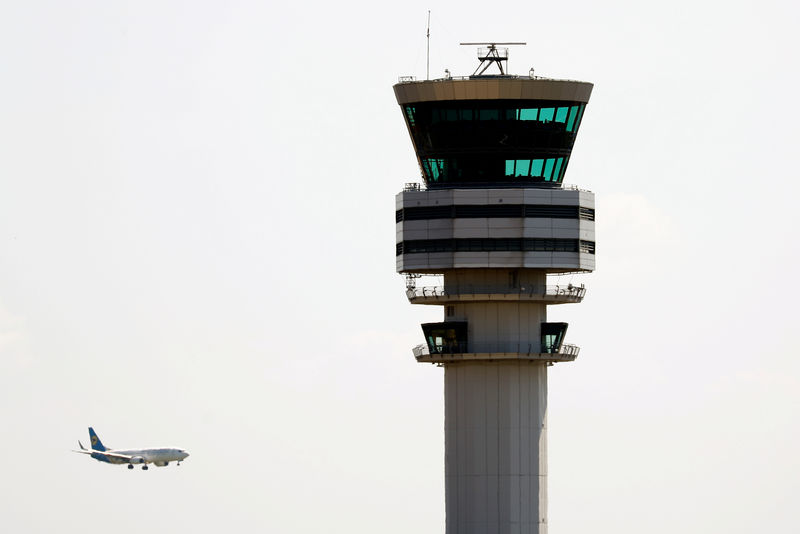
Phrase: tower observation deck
[493,220]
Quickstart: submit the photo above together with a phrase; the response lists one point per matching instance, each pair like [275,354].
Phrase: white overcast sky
[197,249]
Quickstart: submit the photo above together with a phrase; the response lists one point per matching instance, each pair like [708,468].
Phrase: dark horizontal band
[494,211]
[494,245]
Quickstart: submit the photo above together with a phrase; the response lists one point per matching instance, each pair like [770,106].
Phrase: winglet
[81,445]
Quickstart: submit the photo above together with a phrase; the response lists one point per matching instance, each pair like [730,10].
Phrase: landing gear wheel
[144,468]
[130,466]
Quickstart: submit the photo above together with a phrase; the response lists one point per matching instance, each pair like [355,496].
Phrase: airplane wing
[123,457]
[108,454]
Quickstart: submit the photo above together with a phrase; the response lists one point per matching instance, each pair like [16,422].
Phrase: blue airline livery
[160,457]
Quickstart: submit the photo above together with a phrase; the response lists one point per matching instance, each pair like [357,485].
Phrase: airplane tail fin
[97,445]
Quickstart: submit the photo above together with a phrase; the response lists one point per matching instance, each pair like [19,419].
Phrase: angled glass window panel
[580,116]
[509,167]
[466,114]
[509,114]
[561,114]
[573,112]
[546,114]
[433,168]
[548,168]
[528,114]
[563,169]
[557,171]
[489,114]
[452,114]
[410,115]
[439,168]
[536,167]
[523,167]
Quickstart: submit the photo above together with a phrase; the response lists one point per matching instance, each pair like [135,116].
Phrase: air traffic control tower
[495,225]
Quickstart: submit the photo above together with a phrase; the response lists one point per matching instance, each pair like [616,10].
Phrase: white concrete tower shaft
[493,222]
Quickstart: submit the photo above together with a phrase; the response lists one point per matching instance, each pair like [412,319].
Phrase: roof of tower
[492,88]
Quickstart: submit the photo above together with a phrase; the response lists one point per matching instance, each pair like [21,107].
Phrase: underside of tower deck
[493,220]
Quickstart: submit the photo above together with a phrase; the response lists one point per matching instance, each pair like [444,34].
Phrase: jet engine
[137,460]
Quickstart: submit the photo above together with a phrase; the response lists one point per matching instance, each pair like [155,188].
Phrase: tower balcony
[551,294]
[460,353]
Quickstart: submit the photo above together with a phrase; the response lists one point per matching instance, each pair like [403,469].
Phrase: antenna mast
[428,68]
[491,54]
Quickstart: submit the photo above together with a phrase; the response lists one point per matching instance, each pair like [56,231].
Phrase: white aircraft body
[160,457]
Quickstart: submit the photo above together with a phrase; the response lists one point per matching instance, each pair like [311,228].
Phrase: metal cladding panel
[506,196]
[532,226]
[441,225]
[566,224]
[586,230]
[415,234]
[444,91]
[412,199]
[506,227]
[513,89]
[566,197]
[470,260]
[515,223]
[538,260]
[471,196]
[506,259]
[474,228]
[416,262]
[586,199]
[565,233]
[538,196]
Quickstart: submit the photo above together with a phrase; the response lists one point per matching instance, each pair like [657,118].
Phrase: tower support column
[496,447]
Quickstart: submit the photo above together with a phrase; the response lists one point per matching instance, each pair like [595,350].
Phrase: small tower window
[446,338]
[553,336]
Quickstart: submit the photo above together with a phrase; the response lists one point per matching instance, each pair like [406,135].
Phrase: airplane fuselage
[160,457]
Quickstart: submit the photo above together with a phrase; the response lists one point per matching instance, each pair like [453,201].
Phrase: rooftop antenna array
[491,54]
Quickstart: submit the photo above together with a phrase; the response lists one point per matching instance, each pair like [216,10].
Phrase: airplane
[160,457]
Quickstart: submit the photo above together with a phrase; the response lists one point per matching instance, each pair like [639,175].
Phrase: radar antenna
[491,54]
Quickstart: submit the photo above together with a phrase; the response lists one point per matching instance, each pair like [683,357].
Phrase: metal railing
[417,186]
[413,79]
[440,292]
[475,348]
